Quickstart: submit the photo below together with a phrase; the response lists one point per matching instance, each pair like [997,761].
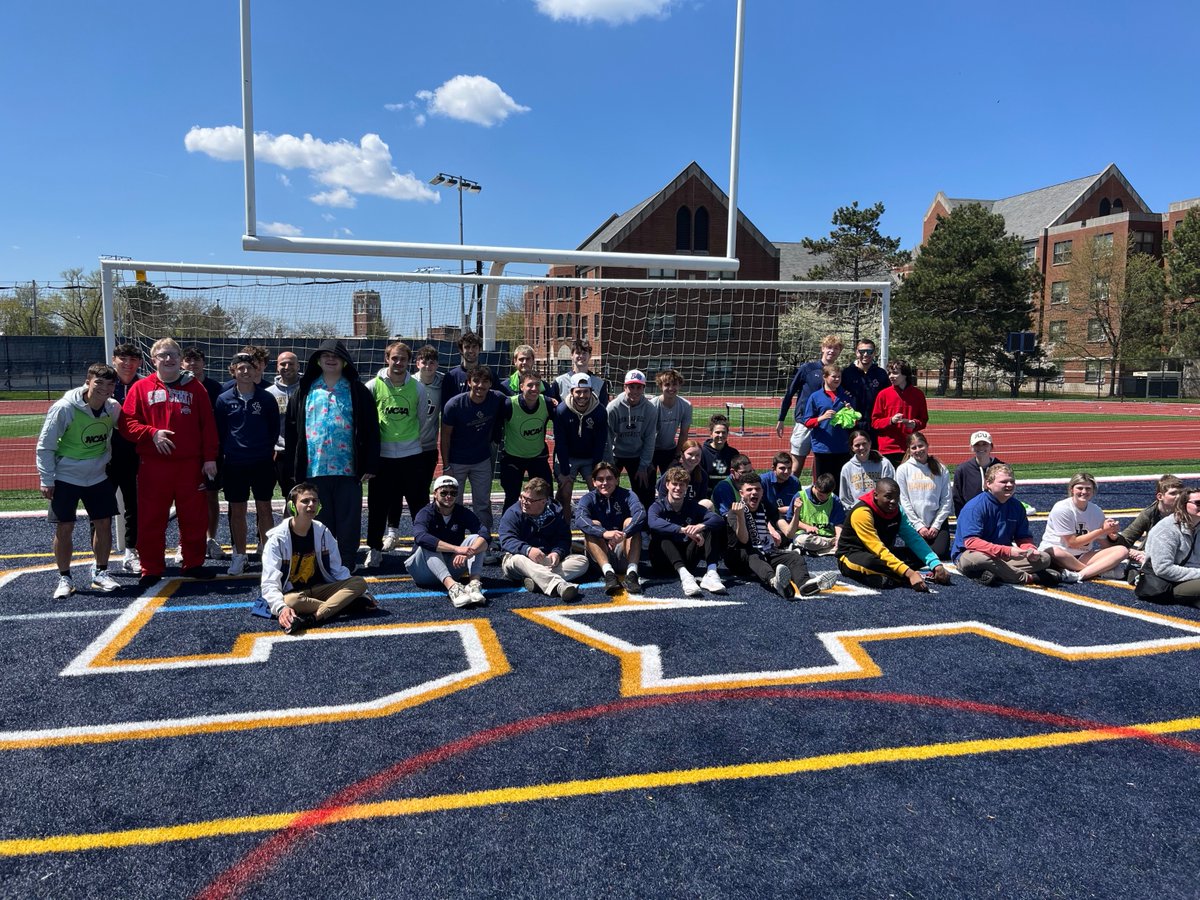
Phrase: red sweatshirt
[183,408]
[910,403]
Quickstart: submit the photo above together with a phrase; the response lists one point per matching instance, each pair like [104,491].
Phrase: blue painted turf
[1097,818]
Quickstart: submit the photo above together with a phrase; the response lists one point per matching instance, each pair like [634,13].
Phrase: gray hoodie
[632,429]
[282,393]
[73,418]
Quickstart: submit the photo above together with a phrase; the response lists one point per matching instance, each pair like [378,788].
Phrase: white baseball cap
[980,436]
[581,379]
[635,376]
[446,481]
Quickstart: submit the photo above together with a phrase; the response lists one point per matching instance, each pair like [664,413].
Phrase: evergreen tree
[970,286]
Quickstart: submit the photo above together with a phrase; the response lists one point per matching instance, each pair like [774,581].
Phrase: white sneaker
[391,541]
[476,588]
[103,581]
[65,588]
[782,582]
[690,587]
[460,595]
[818,583]
[1069,577]
[133,562]
[237,564]
[712,582]
[213,549]
[374,559]
[179,556]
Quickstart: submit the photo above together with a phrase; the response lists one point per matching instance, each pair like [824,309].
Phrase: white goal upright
[724,336]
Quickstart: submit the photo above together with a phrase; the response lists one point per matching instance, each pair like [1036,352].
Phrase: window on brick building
[683,229]
[718,370]
[720,327]
[1143,241]
[1102,244]
[1060,292]
[1105,207]
[1030,253]
[1057,331]
[1093,371]
[1118,206]
[660,326]
[1062,252]
[583,327]
[1095,331]
[661,273]
[558,325]
[700,241]
[658,364]
[1100,289]
[569,323]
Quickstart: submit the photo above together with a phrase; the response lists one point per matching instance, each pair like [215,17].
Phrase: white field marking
[473,649]
[65,614]
[837,643]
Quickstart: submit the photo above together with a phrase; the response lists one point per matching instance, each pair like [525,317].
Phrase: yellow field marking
[271,822]
[641,665]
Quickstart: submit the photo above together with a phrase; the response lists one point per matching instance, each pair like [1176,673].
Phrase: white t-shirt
[1067,520]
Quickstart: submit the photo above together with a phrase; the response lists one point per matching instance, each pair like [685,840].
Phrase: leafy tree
[510,321]
[26,310]
[80,304]
[1183,274]
[1119,295]
[801,327]
[970,286]
[145,306]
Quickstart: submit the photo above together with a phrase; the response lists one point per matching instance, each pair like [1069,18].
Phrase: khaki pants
[324,601]
[549,581]
[1011,571]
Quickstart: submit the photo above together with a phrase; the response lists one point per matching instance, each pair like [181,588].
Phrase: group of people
[878,501]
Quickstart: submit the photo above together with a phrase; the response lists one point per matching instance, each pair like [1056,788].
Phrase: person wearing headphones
[304,582]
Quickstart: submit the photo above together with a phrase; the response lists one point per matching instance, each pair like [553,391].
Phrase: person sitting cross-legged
[536,541]
[303,579]
[612,518]
[682,533]
[992,541]
[448,541]
[757,537]
[817,516]
[867,550]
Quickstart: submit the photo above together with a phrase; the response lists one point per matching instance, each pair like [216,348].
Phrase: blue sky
[116,116]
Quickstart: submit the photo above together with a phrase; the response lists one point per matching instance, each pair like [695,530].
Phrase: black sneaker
[301,622]
[612,584]
[1048,578]
[200,573]
[989,579]
[147,581]
[633,584]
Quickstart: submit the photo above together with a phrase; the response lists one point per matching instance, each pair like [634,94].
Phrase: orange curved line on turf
[272,822]
[633,680]
[498,665]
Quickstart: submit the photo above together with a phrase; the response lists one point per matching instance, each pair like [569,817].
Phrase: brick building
[700,332]
[1056,224]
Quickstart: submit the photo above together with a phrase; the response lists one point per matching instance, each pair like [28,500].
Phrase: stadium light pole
[425,270]
[441,179]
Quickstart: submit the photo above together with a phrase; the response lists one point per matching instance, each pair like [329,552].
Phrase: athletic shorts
[100,501]
[575,467]
[242,478]
[801,440]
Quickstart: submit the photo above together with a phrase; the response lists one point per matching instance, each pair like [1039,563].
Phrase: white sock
[631,569]
[607,568]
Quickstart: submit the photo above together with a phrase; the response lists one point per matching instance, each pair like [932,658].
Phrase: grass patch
[1066,470]
[19,426]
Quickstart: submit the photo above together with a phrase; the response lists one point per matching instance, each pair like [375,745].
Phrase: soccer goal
[737,338]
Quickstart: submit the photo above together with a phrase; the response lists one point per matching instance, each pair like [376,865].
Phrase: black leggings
[668,556]
[761,566]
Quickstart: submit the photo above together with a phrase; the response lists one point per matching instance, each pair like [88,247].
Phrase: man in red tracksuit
[169,419]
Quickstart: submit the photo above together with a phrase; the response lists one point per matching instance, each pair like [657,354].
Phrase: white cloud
[399,107]
[345,232]
[284,180]
[470,98]
[419,118]
[279,229]
[337,197]
[613,12]
[343,167]
[328,217]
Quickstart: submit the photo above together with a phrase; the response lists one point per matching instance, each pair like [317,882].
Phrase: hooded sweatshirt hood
[331,345]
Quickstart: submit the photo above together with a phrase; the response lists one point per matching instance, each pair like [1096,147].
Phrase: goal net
[725,337]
